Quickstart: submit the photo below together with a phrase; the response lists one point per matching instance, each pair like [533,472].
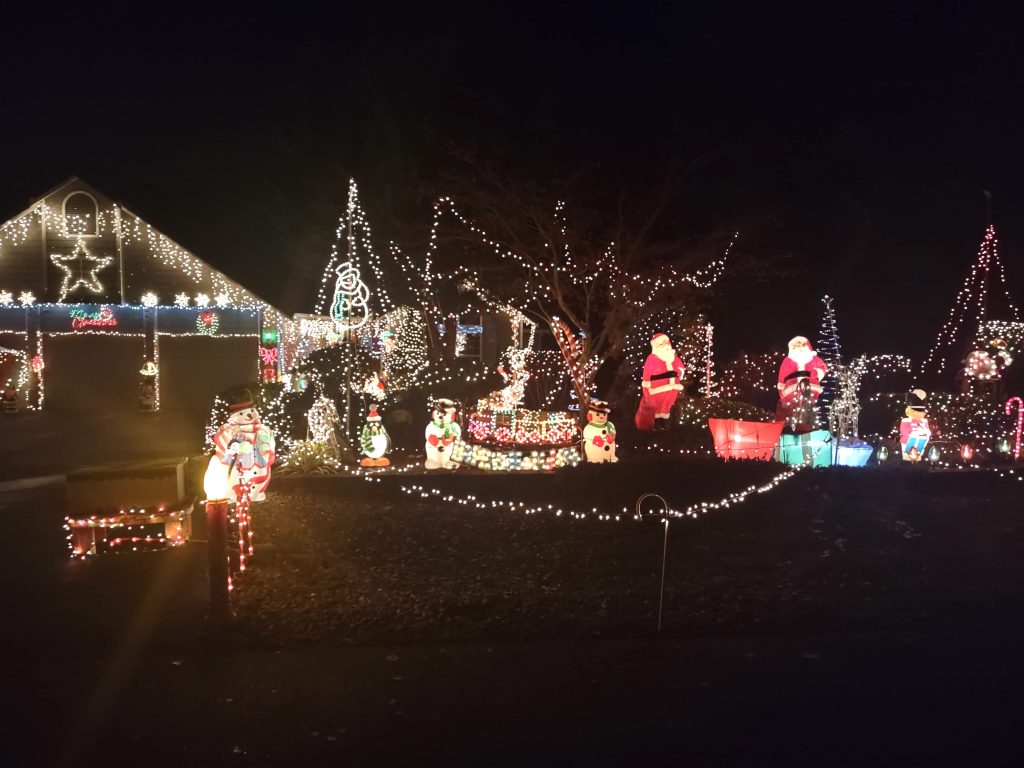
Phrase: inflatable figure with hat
[246,446]
[662,383]
[374,441]
[800,377]
[914,429]
[441,432]
[599,434]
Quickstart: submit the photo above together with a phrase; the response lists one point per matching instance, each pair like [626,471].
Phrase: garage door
[193,369]
[92,372]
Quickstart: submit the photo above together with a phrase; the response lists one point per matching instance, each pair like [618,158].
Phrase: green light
[269,337]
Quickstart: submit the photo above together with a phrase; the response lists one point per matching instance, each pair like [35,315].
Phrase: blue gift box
[852,452]
[812,448]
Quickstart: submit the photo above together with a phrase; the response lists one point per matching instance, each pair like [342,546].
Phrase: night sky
[860,137]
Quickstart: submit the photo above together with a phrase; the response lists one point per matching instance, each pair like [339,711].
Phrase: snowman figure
[374,441]
[599,434]
[441,432]
[246,446]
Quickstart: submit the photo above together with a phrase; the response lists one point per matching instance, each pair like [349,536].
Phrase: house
[99,304]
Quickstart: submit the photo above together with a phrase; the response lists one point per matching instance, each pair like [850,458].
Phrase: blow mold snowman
[246,446]
[599,434]
[441,433]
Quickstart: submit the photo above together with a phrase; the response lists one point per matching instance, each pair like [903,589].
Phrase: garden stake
[664,547]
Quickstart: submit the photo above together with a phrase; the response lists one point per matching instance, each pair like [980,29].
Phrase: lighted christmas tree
[828,350]
[973,308]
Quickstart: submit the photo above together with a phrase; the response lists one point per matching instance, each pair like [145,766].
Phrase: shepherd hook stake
[664,548]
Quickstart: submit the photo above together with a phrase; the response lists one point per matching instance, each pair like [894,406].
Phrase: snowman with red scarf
[441,433]
[246,446]
[599,434]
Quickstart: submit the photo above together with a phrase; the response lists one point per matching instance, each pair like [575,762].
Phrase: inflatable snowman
[246,446]
[441,432]
[374,441]
[599,434]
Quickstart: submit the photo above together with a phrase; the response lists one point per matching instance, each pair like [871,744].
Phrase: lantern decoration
[882,455]
[441,433]
[966,453]
[934,454]
[799,385]
[914,429]
[246,446]
[1020,423]
[736,439]
[599,434]
[374,441]
[1003,446]
[807,448]
[662,382]
[852,452]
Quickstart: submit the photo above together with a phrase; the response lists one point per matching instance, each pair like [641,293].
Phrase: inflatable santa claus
[800,377]
[662,383]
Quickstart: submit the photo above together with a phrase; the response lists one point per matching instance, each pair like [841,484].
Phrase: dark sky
[863,134]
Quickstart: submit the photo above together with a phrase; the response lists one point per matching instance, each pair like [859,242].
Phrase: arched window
[81,214]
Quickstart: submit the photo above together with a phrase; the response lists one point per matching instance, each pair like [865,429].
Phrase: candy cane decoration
[1020,422]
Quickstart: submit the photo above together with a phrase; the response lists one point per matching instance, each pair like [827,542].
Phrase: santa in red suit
[802,364]
[662,383]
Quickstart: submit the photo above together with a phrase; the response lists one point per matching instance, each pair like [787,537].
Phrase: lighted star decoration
[82,276]
[182,300]
[149,299]
[202,300]
[222,299]
[27,298]
[6,297]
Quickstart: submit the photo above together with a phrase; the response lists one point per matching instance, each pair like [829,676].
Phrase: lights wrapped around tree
[1020,423]
[735,439]
[914,430]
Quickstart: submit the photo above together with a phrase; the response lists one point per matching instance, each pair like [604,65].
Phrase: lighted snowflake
[27,298]
[202,300]
[222,299]
[182,300]
[149,299]
[6,297]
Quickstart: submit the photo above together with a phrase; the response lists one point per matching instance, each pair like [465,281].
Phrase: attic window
[81,214]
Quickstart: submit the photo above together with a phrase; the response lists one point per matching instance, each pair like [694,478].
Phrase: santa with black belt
[662,383]
[800,364]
